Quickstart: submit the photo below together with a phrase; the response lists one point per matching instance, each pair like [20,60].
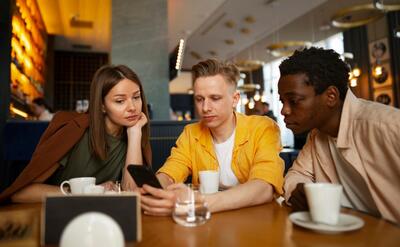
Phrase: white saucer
[346,223]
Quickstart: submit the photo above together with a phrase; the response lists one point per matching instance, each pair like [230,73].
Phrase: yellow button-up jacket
[255,152]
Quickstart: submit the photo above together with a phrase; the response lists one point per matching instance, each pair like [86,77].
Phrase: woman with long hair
[101,144]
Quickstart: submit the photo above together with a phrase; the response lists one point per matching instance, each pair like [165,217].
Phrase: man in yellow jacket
[244,149]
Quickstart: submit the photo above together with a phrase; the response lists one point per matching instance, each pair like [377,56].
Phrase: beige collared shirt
[355,191]
[369,140]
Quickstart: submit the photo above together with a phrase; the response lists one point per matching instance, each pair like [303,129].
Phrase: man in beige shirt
[352,141]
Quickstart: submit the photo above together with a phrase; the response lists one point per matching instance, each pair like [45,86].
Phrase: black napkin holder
[60,210]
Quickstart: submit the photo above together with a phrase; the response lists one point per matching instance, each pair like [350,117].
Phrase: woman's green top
[79,162]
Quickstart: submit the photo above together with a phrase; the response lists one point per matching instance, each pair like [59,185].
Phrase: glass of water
[190,207]
[79,106]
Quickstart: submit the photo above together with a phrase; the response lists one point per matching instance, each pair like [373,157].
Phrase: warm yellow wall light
[378,70]
[356,72]
[18,112]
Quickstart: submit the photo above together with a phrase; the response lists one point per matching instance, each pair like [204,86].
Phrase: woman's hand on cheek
[137,127]
[142,120]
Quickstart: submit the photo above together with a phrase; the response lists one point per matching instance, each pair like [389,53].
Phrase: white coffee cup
[324,202]
[93,190]
[77,185]
[209,181]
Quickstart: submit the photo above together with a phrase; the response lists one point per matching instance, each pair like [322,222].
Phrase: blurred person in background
[267,112]
[41,109]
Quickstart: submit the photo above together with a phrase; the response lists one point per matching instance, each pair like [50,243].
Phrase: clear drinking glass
[85,105]
[190,207]
[79,106]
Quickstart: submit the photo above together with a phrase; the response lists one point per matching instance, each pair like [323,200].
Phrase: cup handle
[62,187]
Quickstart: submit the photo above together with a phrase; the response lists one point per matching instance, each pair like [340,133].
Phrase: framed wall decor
[385,78]
[381,79]
[379,50]
[384,96]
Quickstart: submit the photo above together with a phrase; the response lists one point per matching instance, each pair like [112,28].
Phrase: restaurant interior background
[51,49]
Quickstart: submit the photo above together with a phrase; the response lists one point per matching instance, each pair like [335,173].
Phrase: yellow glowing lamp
[16,25]
[257,96]
[351,75]
[28,62]
[264,98]
[356,72]
[378,70]
[251,104]
[18,112]
[245,100]
[353,82]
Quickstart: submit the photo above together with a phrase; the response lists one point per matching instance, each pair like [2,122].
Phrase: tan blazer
[63,132]
[369,140]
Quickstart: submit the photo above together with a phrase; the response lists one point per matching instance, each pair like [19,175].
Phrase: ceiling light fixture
[257,96]
[396,32]
[248,87]
[249,19]
[264,97]
[229,41]
[379,4]
[179,57]
[229,24]
[286,48]
[355,16]
[249,65]
[251,104]
[245,30]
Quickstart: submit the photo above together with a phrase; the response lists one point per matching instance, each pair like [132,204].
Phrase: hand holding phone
[143,175]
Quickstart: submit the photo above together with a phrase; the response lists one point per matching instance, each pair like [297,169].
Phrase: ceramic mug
[209,181]
[324,202]
[77,185]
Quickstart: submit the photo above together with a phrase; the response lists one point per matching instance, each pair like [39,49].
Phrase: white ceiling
[274,21]
[203,24]
[265,16]
[186,16]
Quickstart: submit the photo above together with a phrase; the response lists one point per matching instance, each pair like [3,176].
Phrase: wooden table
[265,225]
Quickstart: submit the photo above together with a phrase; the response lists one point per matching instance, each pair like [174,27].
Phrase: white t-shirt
[224,155]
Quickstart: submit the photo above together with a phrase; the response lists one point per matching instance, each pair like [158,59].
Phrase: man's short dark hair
[323,68]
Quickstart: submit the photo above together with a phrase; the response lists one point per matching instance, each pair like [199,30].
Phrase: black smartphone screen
[143,175]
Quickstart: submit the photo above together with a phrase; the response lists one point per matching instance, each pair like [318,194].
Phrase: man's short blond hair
[212,67]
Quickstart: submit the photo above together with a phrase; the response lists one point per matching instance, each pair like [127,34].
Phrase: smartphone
[143,175]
